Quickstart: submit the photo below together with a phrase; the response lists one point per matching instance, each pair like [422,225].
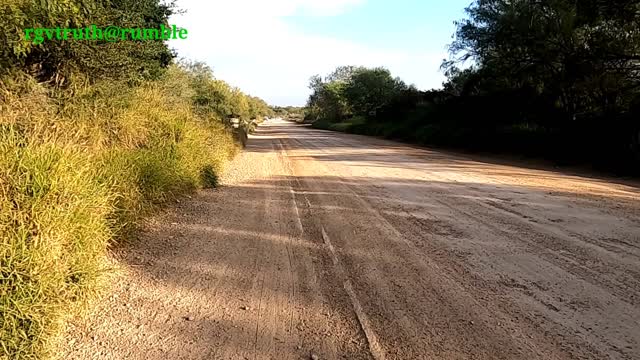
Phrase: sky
[270,48]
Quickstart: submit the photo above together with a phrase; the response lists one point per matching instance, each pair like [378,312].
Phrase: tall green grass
[78,169]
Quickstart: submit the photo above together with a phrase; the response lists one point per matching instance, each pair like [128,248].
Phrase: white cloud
[249,44]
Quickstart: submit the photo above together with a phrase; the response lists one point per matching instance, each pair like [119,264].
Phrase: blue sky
[271,48]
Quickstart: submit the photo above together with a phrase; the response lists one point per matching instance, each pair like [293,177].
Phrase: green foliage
[258,108]
[369,90]
[554,78]
[352,91]
[581,57]
[58,61]
[216,99]
[568,68]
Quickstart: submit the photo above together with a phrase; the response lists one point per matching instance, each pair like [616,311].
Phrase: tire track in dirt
[374,346]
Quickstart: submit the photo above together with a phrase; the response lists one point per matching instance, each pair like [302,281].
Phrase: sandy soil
[326,245]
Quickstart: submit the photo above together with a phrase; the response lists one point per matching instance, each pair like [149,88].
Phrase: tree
[217,100]
[584,56]
[58,61]
[352,91]
[327,100]
[369,90]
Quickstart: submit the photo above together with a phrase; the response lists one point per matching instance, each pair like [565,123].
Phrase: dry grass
[78,170]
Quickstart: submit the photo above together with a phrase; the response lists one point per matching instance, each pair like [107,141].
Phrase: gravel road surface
[324,245]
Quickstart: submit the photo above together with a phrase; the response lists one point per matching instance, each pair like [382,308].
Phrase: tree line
[552,78]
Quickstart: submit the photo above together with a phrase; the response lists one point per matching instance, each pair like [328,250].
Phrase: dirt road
[336,246]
